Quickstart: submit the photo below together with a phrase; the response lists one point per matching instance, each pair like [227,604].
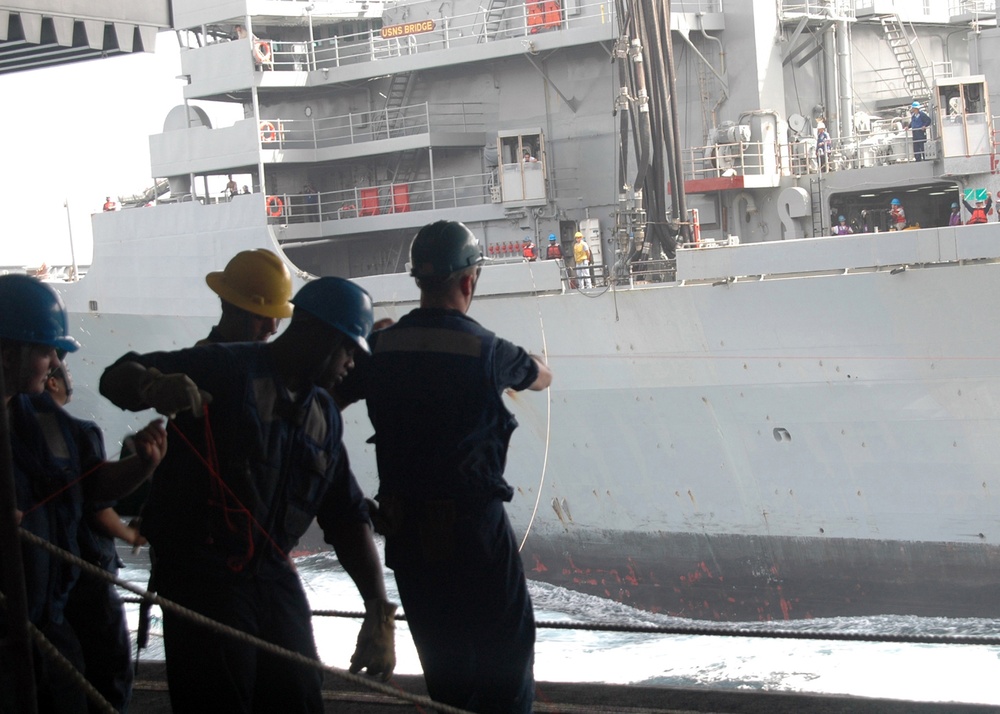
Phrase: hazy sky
[78,133]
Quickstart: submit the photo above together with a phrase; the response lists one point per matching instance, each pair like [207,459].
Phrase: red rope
[222,496]
[226,499]
[65,488]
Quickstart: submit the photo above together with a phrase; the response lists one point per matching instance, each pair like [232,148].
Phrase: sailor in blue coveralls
[236,493]
[56,468]
[433,387]
[919,121]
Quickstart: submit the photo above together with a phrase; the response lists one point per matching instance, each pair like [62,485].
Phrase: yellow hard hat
[578,234]
[256,281]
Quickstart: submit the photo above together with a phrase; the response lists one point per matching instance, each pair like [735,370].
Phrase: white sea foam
[920,672]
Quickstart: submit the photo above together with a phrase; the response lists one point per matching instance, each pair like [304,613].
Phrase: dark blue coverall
[433,387]
[49,455]
[221,544]
[95,610]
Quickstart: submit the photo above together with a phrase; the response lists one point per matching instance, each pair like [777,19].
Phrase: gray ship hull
[739,444]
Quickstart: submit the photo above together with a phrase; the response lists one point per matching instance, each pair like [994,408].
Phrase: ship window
[963,117]
[521,165]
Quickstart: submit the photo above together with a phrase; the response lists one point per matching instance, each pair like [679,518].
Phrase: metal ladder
[395,98]
[494,16]
[816,206]
[902,48]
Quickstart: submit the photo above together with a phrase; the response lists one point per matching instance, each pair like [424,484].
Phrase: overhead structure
[45,33]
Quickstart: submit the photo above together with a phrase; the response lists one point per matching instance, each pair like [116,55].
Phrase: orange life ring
[275,206]
[267,132]
[262,52]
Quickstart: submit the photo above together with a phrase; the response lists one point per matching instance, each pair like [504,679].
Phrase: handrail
[446,32]
[887,143]
[385,199]
[362,127]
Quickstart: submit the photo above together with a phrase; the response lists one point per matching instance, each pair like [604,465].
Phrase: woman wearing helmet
[56,467]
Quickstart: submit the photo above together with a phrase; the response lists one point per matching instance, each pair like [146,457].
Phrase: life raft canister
[267,132]
[262,52]
[275,206]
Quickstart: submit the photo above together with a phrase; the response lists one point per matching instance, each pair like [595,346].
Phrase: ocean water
[918,672]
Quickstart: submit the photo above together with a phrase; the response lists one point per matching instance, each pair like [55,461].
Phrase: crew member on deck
[95,610]
[582,257]
[528,251]
[919,121]
[109,205]
[897,216]
[842,229]
[980,212]
[255,289]
[955,219]
[55,470]
[441,485]
[235,494]
[554,251]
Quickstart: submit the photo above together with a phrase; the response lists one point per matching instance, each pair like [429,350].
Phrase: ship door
[521,155]
[964,116]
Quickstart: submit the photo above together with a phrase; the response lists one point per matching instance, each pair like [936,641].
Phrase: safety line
[233,632]
[49,650]
[732,631]
[548,417]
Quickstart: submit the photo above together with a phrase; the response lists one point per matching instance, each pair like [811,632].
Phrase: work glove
[172,393]
[376,650]
[385,517]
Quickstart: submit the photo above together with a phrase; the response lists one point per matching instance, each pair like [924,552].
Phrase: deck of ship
[150,697]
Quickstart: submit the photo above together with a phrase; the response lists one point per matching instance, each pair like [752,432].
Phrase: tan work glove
[376,650]
[172,393]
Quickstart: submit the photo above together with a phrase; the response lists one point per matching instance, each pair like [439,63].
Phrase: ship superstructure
[751,418]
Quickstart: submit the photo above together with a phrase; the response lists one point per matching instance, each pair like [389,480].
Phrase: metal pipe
[830,90]
[846,77]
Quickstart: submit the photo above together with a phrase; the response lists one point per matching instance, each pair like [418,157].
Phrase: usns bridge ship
[752,419]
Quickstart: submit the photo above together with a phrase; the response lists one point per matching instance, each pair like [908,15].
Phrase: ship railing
[723,160]
[431,34]
[696,7]
[380,200]
[971,7]
[885,84]
[361,127]
[643,272]
[825,9]
[573,277]
[888,142]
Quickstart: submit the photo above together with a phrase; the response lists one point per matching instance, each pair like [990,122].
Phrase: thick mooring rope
[237,634]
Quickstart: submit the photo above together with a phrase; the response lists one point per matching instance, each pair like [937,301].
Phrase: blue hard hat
[894,202]
[552,237]
[31,311]
[442,248]
[841,218]
[954,205]
[915,105]
[341,304]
